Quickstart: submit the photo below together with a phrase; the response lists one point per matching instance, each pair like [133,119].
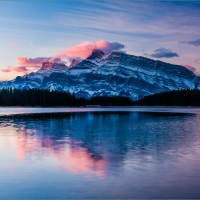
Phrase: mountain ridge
[116,74]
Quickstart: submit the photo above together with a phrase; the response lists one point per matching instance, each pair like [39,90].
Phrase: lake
[113,153]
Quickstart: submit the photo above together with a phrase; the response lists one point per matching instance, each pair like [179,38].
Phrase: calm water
[100,155]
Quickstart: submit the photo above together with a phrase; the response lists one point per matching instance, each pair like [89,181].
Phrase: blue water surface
[95,155]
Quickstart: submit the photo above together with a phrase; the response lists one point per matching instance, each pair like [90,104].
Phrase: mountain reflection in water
[132,151]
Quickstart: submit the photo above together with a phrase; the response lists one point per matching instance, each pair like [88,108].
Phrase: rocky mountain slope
[117,74]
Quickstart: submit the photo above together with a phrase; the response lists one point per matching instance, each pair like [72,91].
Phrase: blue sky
[168,31]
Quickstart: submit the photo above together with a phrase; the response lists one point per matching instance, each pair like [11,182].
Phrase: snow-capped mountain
[117,74]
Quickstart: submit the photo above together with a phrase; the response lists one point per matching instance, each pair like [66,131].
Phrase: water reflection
[102,145]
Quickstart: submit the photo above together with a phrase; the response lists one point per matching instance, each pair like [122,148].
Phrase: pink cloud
[30,62]
[18,69]
[189,67]
[84,49]
[193,69]
[36,62]
[7,69]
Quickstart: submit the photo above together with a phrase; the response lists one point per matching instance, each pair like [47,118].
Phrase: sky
[32,32]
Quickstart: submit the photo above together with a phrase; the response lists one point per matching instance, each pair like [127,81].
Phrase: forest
[172,98]
[46,98]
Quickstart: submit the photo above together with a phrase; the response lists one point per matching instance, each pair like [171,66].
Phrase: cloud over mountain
[31,61]
[193,69]
[77,52]
[21,69]
[163,53]
[84,49]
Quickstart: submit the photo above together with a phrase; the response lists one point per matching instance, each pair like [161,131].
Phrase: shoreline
[25,111]
[99,107]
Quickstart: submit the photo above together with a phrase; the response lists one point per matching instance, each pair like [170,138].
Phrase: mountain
[73,63]
[117,74]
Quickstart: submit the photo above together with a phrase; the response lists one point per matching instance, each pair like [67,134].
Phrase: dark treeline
[173,98]
[35,97]
[46,98]
[110,101]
